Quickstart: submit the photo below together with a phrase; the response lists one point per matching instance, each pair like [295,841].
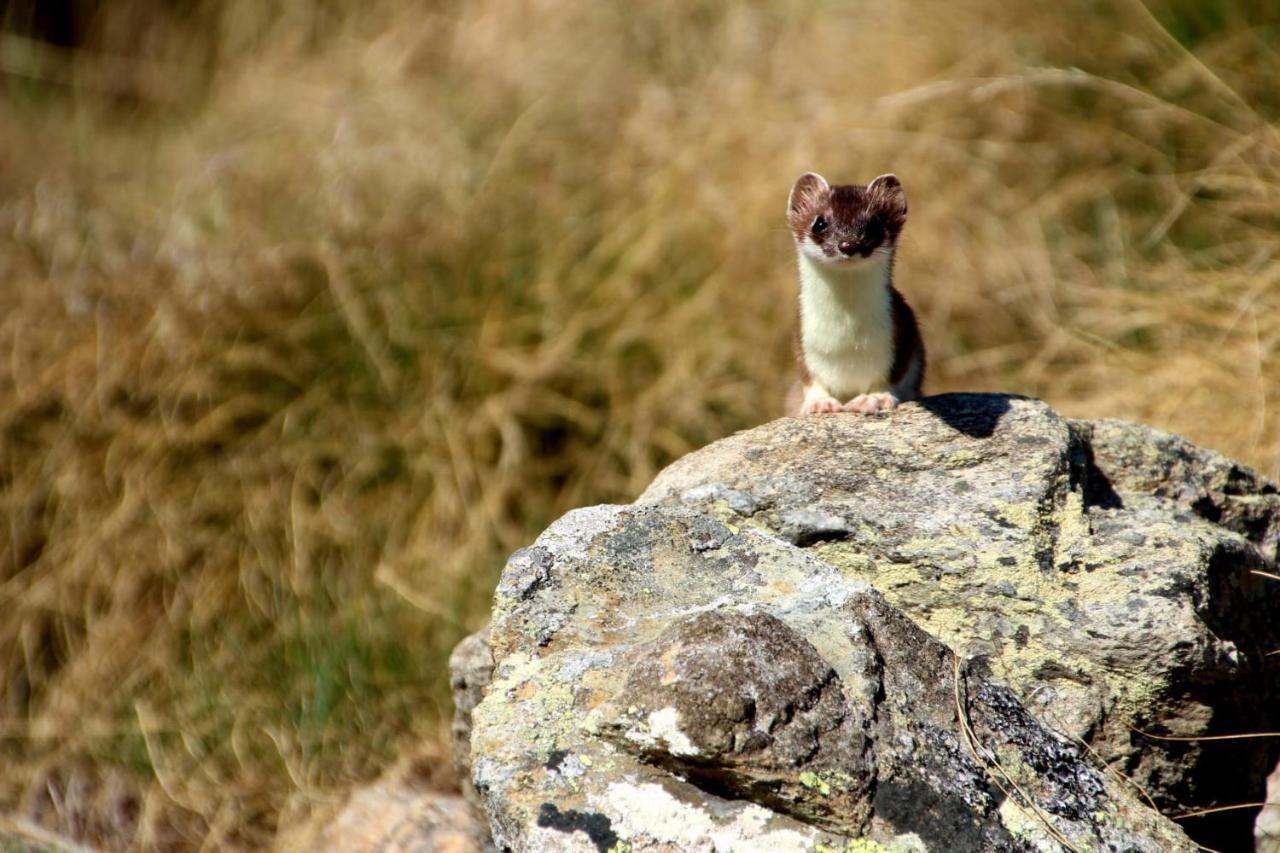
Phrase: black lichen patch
[635,540]
[1071,787]
[555,759]
[598,827]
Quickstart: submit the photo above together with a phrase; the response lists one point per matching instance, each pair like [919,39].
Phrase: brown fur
[907,342]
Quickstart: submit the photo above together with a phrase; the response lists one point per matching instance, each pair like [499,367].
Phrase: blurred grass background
[311,312]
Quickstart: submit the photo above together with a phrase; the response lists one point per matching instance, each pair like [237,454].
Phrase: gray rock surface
[738,661]
[666,681]
[470,669]
[1104,570]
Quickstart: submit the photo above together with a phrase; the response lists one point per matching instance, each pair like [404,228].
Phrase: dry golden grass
[293,356]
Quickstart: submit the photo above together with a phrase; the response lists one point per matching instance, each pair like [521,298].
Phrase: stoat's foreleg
[818,400]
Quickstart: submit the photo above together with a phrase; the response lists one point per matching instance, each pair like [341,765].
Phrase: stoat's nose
[848,247]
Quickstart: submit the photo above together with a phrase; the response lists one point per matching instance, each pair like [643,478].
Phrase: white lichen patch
[664,726]
[573,766]
[575,666]
[649,809]
[578,528]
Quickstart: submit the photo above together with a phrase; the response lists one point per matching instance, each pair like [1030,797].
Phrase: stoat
[858,343]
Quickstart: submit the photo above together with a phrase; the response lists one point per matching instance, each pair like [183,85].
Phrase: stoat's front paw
[820,406]
[869,404]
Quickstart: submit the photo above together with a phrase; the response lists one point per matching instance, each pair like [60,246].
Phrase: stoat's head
[846,226]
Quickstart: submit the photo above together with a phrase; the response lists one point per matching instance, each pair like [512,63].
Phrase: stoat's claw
[869,404]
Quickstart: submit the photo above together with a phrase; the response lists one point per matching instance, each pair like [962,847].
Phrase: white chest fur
[846,324]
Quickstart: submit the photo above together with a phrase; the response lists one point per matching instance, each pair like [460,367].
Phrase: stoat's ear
[889,189]
[809,192]
[886,193]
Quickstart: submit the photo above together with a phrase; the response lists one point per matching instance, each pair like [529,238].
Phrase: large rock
[1104,570]
[666,679]
[728,664]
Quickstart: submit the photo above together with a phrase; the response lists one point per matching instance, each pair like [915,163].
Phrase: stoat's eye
[820,225]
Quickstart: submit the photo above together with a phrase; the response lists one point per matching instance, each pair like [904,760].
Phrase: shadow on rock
[975,415]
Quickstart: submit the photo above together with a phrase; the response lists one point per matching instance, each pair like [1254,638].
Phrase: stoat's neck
[846,324]
[856,282]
